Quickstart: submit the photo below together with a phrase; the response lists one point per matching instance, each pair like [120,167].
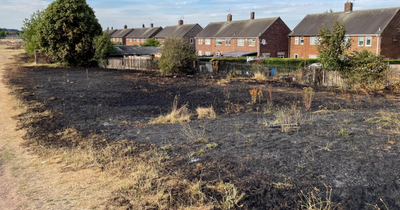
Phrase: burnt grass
[269,165]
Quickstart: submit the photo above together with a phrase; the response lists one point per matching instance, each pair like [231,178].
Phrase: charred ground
[334,145]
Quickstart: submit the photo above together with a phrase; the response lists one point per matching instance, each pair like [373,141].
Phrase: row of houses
[376,30]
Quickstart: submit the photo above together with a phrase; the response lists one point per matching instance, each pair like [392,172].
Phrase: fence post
[36,55]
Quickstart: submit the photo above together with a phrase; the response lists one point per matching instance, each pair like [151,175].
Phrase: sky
[134,13]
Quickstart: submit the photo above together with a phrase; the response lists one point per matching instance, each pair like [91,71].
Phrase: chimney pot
[180,22]
[125,26]
[252,15]
[151,25]
[143,26]
[229,18]
[348,7]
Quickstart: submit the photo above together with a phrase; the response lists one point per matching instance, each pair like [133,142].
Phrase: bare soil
[333,145]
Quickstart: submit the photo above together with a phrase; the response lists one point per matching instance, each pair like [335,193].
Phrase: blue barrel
[273,72]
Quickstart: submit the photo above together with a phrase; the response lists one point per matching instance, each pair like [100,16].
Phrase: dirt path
[9,139]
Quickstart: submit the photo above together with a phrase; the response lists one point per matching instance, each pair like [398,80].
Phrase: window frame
[200,41]
[361,41]
[302,40]
[240,42]
[281,54]
[227,42]
[370,41]
[296,40]
[315,40]
[218,41]
[252,42]
[296,56]
[207,41]
[200,53]
[207,53]
[191,41]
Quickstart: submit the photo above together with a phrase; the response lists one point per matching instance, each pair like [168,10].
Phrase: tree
[103,48]
[152,42]
[332,47]
[30,32]
[366,69]
[177,56]
[2,33]
[67,32]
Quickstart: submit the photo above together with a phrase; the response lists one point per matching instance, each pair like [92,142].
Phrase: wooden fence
[133,63]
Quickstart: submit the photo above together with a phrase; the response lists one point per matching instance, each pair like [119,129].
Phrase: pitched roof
[121,33]
[143,32]
[237,29]
[361,22]
[131,50]
[175,31]
[111,31]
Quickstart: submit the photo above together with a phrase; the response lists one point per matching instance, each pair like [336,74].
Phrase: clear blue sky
[134,13]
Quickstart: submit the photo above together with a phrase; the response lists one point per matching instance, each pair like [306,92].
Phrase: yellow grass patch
[206,113]
[259,76]
[176,116]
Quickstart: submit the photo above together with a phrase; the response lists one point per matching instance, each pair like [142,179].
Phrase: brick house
[139,35]
[266,37]
[119,36]
[110,31]
[187,31]
[376,30]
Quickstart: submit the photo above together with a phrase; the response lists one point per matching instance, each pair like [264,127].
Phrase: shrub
[103,47]
[177,57]
[176,116]
[366,70]
[152,42]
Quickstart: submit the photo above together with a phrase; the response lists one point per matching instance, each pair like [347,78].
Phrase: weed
[307,97]
[201,152]
[212,145]
[201,141]
[347,121]
[254,93]
[206,113]
[259,76]
[287,116]
[176,116]
[228,92]
[388,119]
[230,196]
[268,108]
[344,132]
[326,148]
[311,202]
[270,87]
[249,143]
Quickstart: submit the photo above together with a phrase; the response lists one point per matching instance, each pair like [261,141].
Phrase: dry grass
[390,120]
[196,135]
[312,202]
[287,116]
[176,116]
[259,76]
[206,113]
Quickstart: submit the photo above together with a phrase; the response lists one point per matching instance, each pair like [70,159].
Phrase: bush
[103,48]
[177,57]
[152,42]
[366,70]
[31,34]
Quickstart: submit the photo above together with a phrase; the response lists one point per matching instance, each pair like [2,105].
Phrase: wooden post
[36,56]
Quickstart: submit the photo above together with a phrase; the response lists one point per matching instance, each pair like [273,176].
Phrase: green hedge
[394,61]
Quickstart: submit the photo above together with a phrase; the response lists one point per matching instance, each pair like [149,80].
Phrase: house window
[207,41]
[266,55]
[200,41]
[281,55]
[240,42]
[302,40]
[228,42]
[252,42]
[296,55]
[368,42]
[208,53]
[313,40]
[361,41]
[296,40]
[191,40]
[113,39]
[142,40]
[219,42]
[200,53]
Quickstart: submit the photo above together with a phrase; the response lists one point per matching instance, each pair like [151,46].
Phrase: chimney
[143,26]
[180,22]
[112,28]
[348,7]
[151,25]
[125,26]
[108,28]
[229,18]
[252,15]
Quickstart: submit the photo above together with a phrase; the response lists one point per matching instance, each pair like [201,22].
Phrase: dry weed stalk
[228,92]
[256,93]
[270,87]
[176,116]
[288,116]
[307,97]
[206,113]
[259,76]
[311,202]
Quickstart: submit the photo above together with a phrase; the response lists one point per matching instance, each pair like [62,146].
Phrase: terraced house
[119,35]
[186,31]
[375,30]
[266,37]
[139,35]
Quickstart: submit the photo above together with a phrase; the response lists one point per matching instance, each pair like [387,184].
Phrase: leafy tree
[332,46]
[152,42]
[366,70]
[67,32]
[135,45]
[30,32]
[103,48]
[2,33]
[177,56]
